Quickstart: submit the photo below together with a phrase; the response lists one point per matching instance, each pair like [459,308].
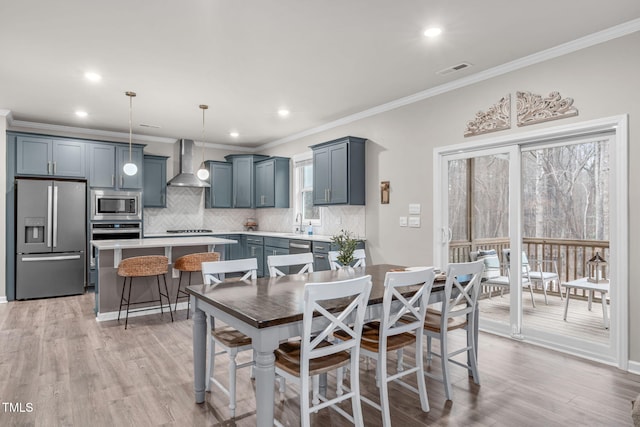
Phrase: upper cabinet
[272,183]
[243,193]
[219,194]
[154,193]
[106,162]
[339,172]
[48,156]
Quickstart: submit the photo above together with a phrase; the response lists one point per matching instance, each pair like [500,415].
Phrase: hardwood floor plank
[78,372]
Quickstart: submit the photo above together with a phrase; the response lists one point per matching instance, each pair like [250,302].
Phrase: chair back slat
[304,259]
[465,279]
[317,296]
[211,270]
[402,314]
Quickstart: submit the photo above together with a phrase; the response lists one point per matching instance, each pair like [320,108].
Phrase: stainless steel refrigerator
[50,238]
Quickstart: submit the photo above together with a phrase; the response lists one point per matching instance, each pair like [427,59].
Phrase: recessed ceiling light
[81,113]
[92,77]
[234,134]
[283,112]
[432,32]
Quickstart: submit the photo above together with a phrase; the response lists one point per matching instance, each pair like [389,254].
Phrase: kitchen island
[109,253]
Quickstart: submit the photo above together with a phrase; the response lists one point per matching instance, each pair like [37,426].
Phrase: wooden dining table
[270,311]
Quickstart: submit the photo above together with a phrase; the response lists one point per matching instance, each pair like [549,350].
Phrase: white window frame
[299,160]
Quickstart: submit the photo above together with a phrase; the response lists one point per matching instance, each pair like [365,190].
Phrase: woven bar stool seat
[143,266]
[190,264]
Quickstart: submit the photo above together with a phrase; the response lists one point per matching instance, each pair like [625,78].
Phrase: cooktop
[192,230]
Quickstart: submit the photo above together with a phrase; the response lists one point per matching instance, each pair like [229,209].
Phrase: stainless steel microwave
[116,205]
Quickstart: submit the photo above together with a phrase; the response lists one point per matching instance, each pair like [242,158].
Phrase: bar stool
[190,264]
[143,266]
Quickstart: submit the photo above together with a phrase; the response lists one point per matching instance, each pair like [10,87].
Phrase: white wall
[603,81]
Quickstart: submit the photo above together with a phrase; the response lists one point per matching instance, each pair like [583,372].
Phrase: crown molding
[225,147]
[86,131]
[544,55]
[110,134]
[7,114]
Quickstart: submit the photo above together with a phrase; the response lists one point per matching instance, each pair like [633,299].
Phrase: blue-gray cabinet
[339,172]
[255,249]
[154,192]
[235,251]
[320,255]
[243,179]
[50,156]
[106,162]
[272,183]
[219,195]
[275,246]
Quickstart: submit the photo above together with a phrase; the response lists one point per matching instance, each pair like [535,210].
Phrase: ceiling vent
[453,69]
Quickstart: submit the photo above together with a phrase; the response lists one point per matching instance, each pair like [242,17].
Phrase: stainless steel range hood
[186,177]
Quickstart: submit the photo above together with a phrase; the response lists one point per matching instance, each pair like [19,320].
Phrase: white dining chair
[229,339]
[457,311]
[317,353]
[359,256]
[401,325]
[276,261]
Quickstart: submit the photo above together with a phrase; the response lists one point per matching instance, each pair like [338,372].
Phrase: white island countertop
[159,242]
[163,242]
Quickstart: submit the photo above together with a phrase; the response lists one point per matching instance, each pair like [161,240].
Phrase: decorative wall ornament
[532,108]
[497,117]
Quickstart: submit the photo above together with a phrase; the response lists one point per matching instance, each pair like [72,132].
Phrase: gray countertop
[313,237]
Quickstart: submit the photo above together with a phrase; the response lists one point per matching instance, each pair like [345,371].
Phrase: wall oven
[113,205]
[114,231]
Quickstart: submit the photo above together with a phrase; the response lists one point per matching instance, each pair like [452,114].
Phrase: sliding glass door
[552,200]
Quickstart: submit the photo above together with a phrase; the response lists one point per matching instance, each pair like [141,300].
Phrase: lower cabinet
[275,246]
[235,251]
[255,249]
[321,256]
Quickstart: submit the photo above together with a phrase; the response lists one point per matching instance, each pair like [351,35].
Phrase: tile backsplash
[185,209]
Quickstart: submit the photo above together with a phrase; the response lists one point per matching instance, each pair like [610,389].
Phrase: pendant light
[130,168]
[203,172]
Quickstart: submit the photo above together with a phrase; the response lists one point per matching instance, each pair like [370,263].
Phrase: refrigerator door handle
[49,219]
[50,258]
[55,216]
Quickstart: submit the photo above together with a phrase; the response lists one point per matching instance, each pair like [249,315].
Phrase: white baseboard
[3,300]
[634,367]
[113,315]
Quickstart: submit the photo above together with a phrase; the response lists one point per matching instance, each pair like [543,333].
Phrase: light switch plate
[414,221]
[403,221]
[414,208]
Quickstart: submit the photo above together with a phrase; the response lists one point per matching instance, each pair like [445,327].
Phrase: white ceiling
[323,60]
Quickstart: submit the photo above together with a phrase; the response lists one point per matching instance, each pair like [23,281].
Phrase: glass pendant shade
[130,169]
[203,173]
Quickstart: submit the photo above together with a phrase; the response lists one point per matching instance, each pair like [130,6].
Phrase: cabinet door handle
[329,194]
[54,168]
[319,256]
[121,181]
[320,248]
[113,180]
[48,168]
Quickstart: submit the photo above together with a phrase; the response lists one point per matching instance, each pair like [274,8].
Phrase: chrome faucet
[299,221]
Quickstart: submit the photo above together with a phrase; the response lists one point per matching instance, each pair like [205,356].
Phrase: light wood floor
[77,372]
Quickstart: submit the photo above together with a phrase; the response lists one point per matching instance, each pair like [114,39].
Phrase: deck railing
[571,256]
